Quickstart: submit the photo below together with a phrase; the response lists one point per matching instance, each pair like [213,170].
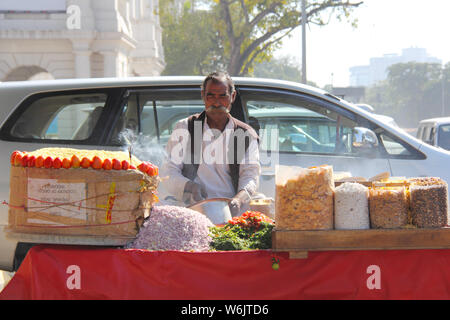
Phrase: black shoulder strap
[234,160]
[192,160]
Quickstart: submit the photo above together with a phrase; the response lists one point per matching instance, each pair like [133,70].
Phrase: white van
[435,131]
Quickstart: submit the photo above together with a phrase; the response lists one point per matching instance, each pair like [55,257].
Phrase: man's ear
[233,96]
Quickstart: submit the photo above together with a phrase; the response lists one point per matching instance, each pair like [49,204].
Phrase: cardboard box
[81,202]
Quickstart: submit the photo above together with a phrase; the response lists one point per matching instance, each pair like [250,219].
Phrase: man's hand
[193,192]
[237,202]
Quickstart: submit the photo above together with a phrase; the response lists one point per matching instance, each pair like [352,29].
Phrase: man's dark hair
[217,77]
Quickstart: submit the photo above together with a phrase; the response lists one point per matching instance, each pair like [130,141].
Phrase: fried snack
[388,207]
[429,202]
[305,201]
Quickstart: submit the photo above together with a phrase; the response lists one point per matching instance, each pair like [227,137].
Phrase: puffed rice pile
[174,228]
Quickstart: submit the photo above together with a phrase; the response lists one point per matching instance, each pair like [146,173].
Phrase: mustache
[218,108]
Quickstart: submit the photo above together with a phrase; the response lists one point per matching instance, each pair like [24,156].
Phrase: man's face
[217,99]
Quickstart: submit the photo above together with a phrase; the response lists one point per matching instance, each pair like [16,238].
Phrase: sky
[384,27]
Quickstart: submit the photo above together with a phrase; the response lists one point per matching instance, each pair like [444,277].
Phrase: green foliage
[190,44]
[234,237]
[412,92]
[235,34]
[284,68]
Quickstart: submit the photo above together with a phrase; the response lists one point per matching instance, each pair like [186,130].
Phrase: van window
[60,117]
[444,136]
[432,136]
[300,129]
[419,133]
[426,134]
[153,114]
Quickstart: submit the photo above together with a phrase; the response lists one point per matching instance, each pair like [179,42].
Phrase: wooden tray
[298,243]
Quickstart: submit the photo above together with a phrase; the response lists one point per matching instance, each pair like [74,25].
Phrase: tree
[190,44]
[283,68]
[245,32]
[412,92]
[253,29]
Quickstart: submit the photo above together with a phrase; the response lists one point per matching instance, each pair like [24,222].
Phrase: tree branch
[266,45]
[244,9]
[224,5]
[263,14]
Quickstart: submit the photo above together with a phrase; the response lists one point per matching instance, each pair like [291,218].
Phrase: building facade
[59,39]
[377,70]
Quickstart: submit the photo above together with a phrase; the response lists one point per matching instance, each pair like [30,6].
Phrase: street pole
[443,91]
[303,41]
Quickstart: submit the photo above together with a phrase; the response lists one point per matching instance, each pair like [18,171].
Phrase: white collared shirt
[213,172]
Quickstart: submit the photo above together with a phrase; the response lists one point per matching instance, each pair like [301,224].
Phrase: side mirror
[364,138]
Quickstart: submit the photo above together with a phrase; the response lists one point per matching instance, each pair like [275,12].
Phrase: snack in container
[304,198]
[351,206]
[388,207]
[429,202]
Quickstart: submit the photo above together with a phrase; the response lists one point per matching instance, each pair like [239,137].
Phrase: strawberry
[125,165]
[116,164]
[107,164]
[85,163]
[48,162]
[97,163]
[76,162]
[39,162]
[18,159]
[132,167]
[13,157]
[57,163]
[66,163]
[31,161]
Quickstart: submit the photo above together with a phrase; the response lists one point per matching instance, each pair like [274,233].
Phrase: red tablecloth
[77,272]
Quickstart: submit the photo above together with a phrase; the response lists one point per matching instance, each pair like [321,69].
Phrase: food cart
[405,257]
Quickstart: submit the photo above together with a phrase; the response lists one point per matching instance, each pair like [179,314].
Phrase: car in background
[298,125]
[435,131]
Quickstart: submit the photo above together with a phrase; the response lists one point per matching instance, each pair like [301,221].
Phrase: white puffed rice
[351,206]
[174,228]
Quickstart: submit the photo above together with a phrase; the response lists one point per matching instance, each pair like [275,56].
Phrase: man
[212,154]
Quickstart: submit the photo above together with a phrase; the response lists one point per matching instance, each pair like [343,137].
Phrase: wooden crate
[298,243]
[78,202]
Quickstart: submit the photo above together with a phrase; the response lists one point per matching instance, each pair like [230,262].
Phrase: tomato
[24,161]
[31,161]
[116,164]
[13,157]
[66,163]
[97,163]
[39,162]
[125,165]
[143,167]
[18,159]
[107,164]
[75,162]
[57,163]
[85,163]
[48,162]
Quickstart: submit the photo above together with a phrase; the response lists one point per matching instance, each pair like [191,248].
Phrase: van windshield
[444,136]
